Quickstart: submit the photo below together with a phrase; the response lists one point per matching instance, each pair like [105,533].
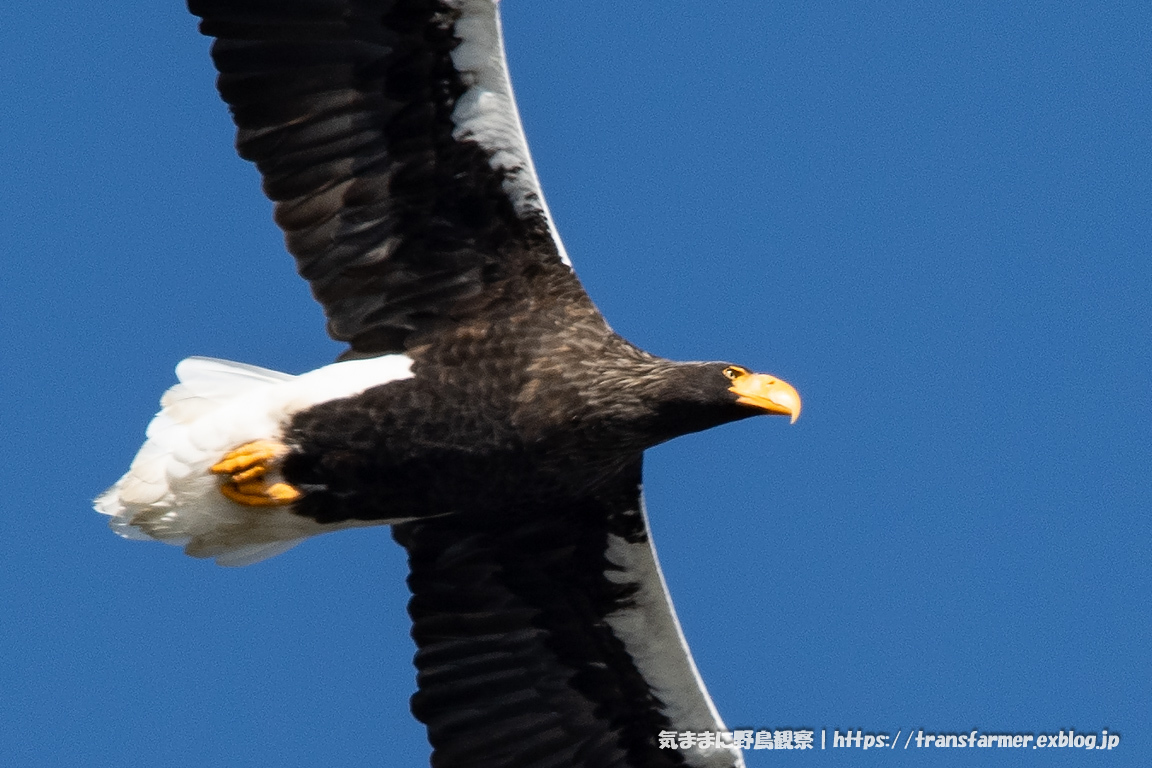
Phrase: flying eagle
[484,409]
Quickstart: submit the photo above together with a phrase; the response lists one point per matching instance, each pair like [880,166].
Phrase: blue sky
[934,221]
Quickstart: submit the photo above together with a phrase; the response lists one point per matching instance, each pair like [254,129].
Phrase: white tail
[169,493]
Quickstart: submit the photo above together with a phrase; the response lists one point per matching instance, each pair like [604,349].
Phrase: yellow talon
[247,467]
[249,474]
[273,495]
[282,493]
[249,455]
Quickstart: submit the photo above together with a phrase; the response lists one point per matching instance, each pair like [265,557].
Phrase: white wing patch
[652,635]
[169,493]
[486,113]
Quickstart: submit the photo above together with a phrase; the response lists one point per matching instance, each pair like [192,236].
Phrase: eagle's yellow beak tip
[768,393]
[786,396]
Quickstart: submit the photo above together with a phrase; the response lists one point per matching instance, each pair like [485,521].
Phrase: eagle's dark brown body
[519,404]
[484,408]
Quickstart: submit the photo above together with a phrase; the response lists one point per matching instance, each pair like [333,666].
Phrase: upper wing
[546,638]
[388,138]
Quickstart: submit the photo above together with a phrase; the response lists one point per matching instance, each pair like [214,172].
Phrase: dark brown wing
[546,638]
[388,138]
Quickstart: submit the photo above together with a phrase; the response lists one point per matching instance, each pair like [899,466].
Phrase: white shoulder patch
[169,493]
[486,113]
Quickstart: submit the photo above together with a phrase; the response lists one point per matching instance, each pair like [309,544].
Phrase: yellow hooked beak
[767,393]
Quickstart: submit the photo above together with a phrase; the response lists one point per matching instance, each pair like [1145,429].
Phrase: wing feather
[387,135]
[547,638]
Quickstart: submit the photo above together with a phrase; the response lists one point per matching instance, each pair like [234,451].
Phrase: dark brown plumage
[484,408]
[346,109]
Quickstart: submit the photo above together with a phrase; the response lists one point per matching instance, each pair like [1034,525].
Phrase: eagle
[483,407]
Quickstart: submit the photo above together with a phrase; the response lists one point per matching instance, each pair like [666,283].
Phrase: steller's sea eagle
[483,408]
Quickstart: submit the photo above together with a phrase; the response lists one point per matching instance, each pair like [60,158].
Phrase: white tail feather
[170,494]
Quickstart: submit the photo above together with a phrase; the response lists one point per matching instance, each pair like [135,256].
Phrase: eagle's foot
[248,467]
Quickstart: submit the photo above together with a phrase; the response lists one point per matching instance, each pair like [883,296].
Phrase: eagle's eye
[734,372]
